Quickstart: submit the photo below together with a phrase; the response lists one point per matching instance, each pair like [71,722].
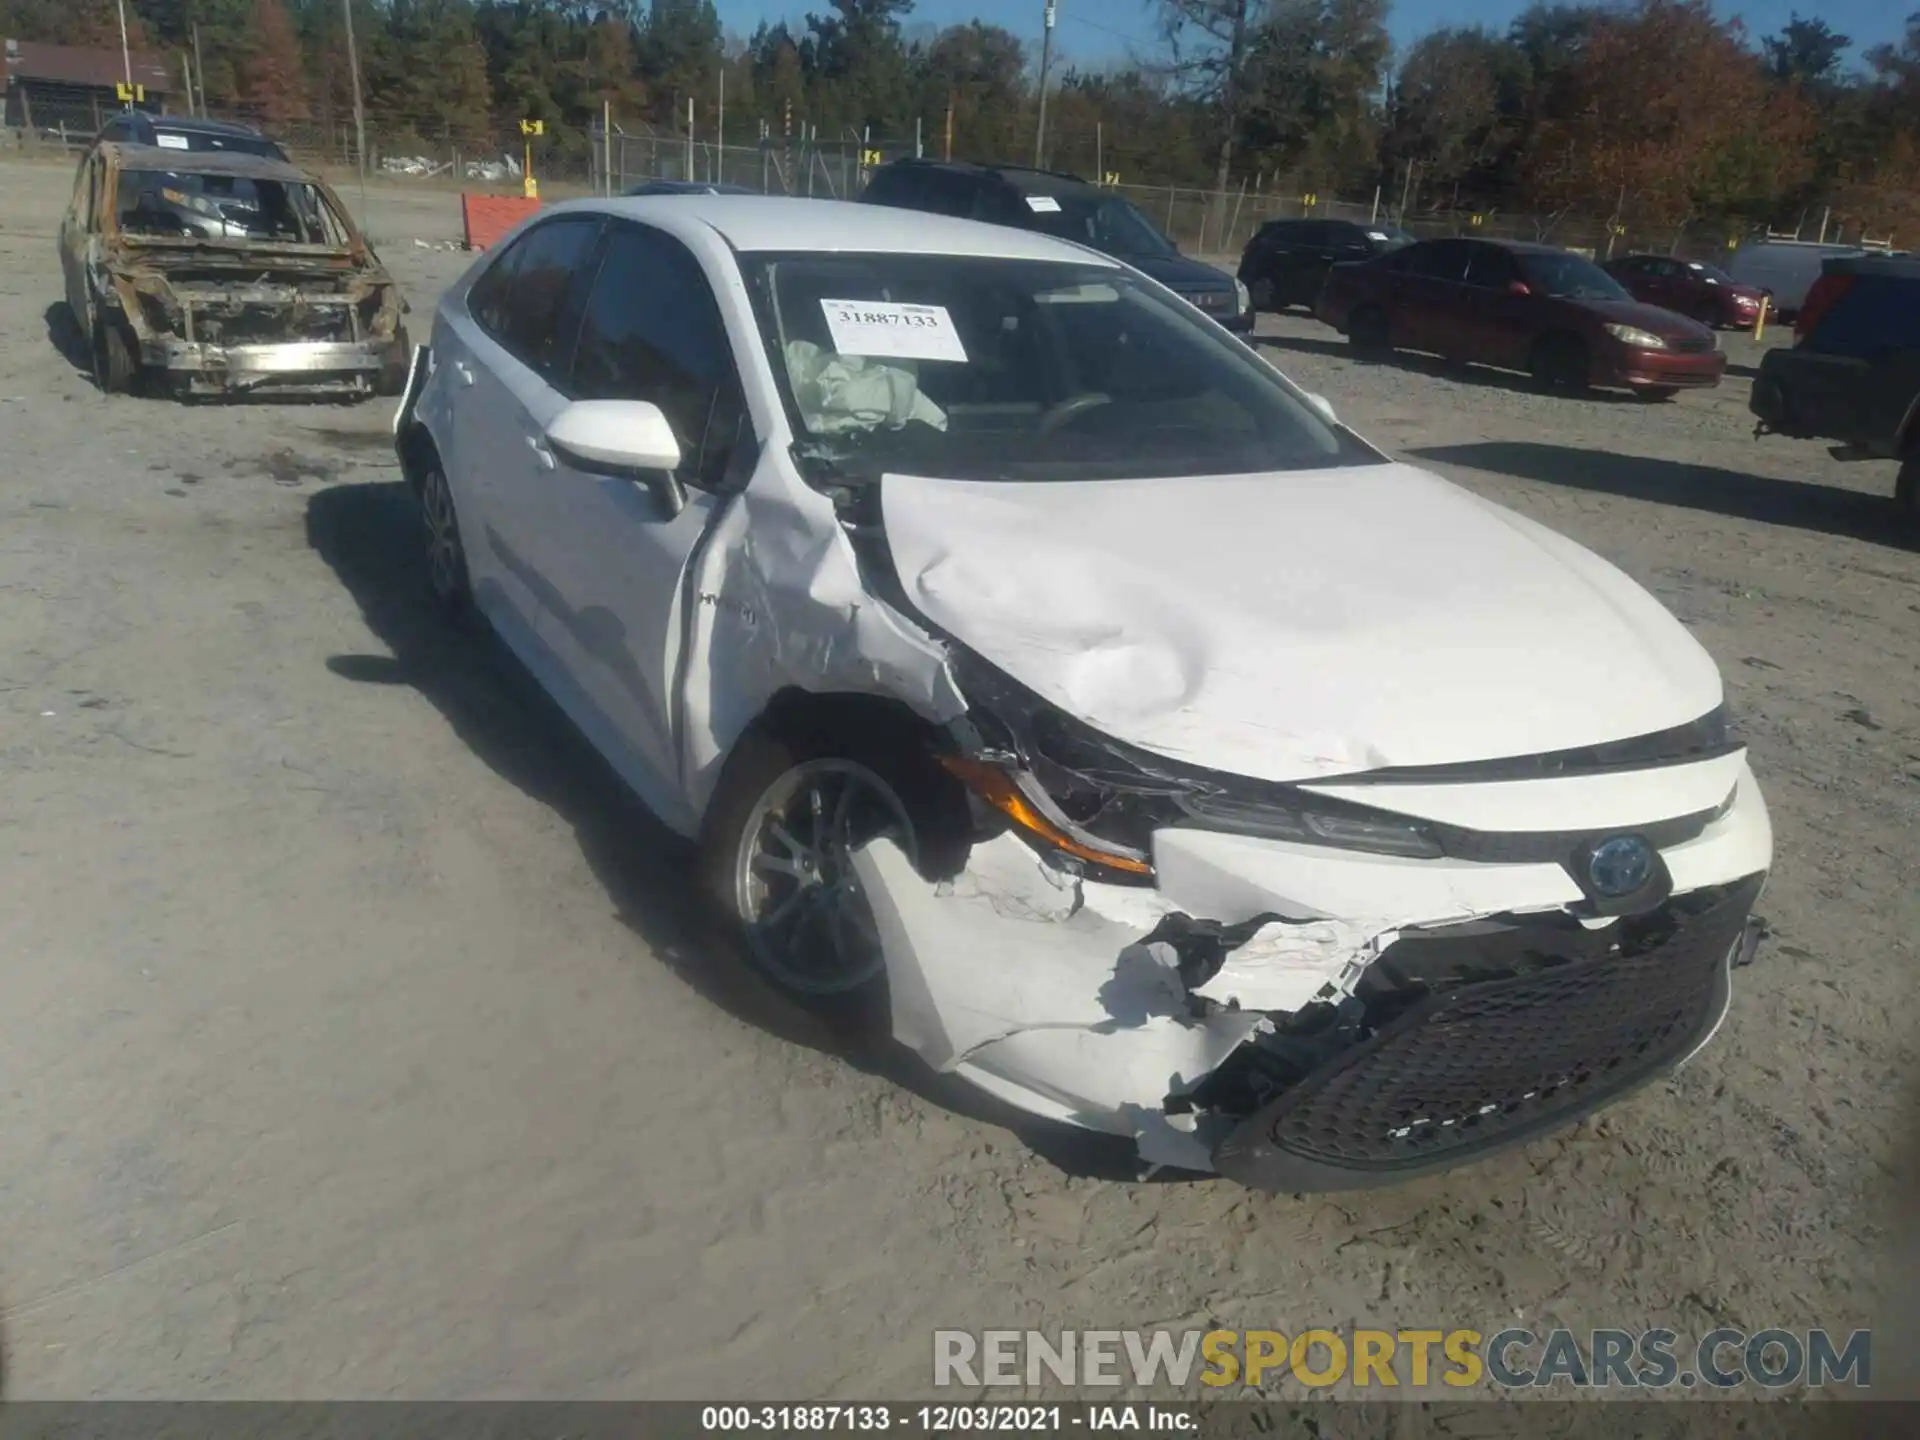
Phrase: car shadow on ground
[1806,505]
[64,334]
[368,534]
[1440,369]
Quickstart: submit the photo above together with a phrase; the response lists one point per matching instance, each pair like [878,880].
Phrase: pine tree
[273,79]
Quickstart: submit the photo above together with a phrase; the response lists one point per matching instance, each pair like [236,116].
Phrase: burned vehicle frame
[219,273]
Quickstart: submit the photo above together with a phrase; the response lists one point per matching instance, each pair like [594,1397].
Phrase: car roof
[752,223]
[238,163]
[1024,178]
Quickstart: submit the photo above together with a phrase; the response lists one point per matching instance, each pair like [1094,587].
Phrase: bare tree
[1212,42]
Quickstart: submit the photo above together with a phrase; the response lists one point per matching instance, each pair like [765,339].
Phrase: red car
[1521,307]
[1689,287]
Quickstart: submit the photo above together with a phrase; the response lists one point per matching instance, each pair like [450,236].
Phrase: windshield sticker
[171,142]
[1045,204]
[897,332]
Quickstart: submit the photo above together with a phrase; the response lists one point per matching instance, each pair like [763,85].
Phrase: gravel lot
[356,1041]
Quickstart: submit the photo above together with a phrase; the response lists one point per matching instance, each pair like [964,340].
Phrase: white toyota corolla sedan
[1045,676]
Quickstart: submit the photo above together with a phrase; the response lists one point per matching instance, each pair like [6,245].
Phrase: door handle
[541,454]
[460,369]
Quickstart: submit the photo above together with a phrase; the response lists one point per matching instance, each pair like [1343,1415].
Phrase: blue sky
[1097,30]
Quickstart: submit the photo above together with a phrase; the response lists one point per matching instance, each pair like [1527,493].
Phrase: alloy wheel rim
[807,922]
[443,536]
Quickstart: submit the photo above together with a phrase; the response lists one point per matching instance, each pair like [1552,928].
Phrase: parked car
[1520,307]
[1286,260]
[225,272]
[1784,268]
[1853,373]
[187,132]
[687,187]
[1069,208]
[935,579]
[1689,287]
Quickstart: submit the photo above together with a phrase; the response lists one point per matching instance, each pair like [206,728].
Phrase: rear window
[1876,317]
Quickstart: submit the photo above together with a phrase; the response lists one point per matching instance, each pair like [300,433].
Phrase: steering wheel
[1058,416]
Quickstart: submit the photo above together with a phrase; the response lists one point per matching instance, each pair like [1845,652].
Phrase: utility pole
[359,111]
[718,174]
[1046,59]
[126,55]
[199,70]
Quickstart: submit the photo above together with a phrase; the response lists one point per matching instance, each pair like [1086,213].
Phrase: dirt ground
[355,1041]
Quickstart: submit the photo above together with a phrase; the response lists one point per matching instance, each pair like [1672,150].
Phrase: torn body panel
[1113,1008]
[779,603]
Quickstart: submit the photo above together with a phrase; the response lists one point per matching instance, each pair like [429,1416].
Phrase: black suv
[187,132]
[1853,375]
[1286,260]
[1067,207]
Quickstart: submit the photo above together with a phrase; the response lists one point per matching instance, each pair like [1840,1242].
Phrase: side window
[1437,260]
[891,186]
[947,193]
[1491,268]
[523,299]
[652,331]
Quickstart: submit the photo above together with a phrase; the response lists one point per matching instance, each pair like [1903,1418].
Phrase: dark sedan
[1689,287]
[1520,307]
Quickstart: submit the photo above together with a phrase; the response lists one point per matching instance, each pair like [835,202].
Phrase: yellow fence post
[529,186]
[1760,320]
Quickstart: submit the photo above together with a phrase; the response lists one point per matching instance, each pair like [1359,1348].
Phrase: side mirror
[1519,287]
[1323,407]
[628,438]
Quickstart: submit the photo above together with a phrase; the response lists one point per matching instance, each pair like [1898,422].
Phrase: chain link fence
[611,159]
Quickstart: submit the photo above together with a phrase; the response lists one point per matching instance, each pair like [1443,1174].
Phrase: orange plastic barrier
[488,217]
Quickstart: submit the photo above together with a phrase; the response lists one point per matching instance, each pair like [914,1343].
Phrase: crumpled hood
[1297,625]
[1180,274]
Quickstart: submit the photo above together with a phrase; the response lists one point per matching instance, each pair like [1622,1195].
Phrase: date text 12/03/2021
[946,1419]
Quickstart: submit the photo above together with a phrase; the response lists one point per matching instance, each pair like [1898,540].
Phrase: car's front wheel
[776,853]
[1906,490]
[116,363]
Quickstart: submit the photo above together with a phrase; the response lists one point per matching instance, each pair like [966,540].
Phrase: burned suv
[224,273]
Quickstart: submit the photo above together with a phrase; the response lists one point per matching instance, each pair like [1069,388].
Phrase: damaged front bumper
[303,366]
[1335,1020]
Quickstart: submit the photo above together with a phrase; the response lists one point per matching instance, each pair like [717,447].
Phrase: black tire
[444,551]
[1906,491]
[1561,364]
[1369,332]
[892,753]
[1261,293]
[1709,316]
[116,361]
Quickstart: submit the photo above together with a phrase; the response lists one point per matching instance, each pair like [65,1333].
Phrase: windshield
[1710,272]
[224,207]
[1106,222]
[1386,237]
[1568,277]
[963,367]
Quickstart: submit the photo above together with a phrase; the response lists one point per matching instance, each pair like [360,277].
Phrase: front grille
[1214,300]
[1691,345]
[1465,1070]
